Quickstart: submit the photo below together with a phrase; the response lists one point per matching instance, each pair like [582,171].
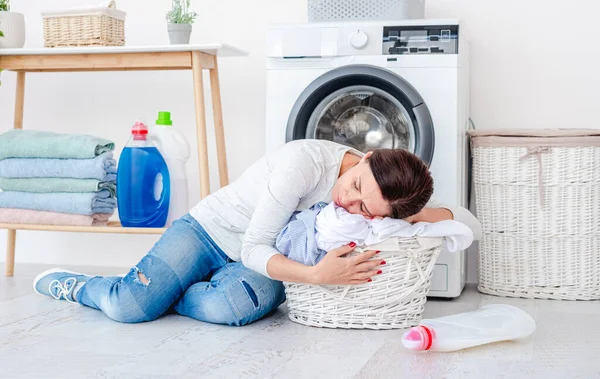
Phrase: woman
[195,267]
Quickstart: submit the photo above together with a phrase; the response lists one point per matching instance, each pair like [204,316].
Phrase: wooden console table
[126,58]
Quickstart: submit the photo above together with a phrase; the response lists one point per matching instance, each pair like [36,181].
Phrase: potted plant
[180,20]
[12,27]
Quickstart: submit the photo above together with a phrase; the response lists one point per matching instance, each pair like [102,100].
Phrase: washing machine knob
[359,39]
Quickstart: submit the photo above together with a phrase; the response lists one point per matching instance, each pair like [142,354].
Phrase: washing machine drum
[365,107]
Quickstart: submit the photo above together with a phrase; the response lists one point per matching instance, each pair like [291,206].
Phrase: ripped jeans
[186,272]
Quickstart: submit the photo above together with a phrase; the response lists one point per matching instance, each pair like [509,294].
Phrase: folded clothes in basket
[311,233]
[76,203]
[45,185]
[103,168]
[40,144]
[27,216]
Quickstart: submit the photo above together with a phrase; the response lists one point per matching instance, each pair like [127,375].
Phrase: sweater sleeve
[288,183]
[460,214]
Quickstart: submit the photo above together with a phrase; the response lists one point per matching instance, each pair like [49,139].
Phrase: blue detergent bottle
[143,184]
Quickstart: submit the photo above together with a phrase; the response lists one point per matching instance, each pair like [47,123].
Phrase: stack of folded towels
[56,179]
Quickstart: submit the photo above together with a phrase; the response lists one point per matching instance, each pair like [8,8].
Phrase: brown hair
[404,180]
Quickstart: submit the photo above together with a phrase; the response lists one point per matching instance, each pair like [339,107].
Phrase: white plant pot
[12,24]
[179,34]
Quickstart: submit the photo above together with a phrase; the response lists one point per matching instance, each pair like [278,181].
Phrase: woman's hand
[412,219]
[334,268]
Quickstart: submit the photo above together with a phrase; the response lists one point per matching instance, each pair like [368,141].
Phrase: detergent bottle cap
[418,338]
[139,130]
[164,118]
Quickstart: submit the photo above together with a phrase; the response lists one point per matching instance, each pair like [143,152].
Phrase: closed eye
[363,207]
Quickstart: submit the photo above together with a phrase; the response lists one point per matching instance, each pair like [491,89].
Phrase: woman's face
[357,192]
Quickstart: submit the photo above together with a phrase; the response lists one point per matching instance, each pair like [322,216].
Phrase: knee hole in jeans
[250,293]
[141,277]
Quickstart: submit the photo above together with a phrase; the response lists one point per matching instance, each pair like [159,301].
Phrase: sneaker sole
[51,271]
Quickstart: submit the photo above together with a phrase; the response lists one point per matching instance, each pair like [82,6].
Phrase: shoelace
[62,289]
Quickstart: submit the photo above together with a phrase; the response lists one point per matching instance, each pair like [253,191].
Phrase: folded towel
[62,202]
[39,144]
[102,167]
[44,185]
[27,216]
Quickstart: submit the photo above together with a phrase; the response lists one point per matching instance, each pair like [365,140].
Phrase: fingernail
[369,280]
[379,272]
[383,262]
[377,252]
[351,244]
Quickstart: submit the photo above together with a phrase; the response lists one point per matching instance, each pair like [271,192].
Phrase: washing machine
[378,84]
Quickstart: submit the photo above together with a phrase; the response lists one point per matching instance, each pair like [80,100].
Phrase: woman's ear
[366,156]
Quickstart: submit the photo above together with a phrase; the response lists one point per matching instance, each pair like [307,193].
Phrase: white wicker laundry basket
[394,299]
[538,199]
[91,26]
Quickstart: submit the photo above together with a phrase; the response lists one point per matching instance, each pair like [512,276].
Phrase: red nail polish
[369,280]
[379,272]
[377,252]
[383,262]
[351,244]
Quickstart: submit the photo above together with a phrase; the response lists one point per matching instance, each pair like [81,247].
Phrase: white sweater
[245,217]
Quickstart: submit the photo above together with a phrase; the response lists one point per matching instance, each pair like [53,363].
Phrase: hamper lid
[106,8]
[535,132]
[535,137]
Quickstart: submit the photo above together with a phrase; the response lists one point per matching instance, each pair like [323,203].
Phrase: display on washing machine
[431,39]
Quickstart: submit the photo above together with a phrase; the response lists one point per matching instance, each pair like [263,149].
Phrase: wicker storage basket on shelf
[538,199]
[98,26]
[394,299]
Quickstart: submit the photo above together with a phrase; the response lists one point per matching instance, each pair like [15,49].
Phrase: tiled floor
[43,338]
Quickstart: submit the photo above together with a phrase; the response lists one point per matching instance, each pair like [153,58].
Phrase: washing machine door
[365,107]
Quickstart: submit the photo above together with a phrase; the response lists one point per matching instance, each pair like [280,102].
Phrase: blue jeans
[188,273]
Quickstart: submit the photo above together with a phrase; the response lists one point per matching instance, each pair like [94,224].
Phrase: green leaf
[4,5]
[180,13]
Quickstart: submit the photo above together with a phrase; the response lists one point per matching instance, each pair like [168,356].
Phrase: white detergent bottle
[175,149]
[490,323]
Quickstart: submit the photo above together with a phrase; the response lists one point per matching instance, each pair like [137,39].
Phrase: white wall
[525,73]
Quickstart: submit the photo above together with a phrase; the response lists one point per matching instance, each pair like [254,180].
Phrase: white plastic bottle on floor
[490,323]
[176,151]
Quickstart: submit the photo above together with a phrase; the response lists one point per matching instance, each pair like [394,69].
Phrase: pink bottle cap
[139,130]
[418,338]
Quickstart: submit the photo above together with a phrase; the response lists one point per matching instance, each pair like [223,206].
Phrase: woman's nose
[351,199]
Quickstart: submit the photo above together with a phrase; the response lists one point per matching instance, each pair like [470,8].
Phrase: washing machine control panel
[362,39]
[420,39]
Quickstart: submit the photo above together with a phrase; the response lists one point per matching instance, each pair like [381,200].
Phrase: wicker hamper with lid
[393,300]
[538,200]
[90,26]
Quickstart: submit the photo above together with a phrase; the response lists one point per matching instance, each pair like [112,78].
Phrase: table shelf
[112,227]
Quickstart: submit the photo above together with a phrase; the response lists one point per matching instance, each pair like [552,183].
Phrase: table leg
[201,124]
[10,252]
[215,89]
[19,100]
[18,124]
